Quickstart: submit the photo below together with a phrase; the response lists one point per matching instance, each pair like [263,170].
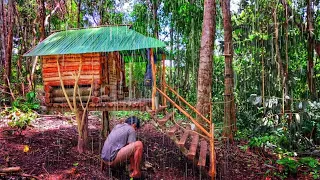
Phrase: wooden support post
[212,154]
[83,136]
[105,126]
[154,70]
[164,100]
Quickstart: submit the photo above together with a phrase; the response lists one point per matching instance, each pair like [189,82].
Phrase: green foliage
[28,103]
[289,164]
[310,162]
[21,120]
[144,116]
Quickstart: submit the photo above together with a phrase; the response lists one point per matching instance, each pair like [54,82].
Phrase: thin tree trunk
[229,109]
[105,126]
[286,70]
[42,18]
[79,11]
[311,46]
[206,59]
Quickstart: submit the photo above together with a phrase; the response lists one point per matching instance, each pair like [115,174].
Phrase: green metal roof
[101,39]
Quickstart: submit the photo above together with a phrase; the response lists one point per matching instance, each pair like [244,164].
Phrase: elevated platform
[121,105]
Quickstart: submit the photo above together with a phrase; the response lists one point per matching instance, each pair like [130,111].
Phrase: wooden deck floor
[121,105]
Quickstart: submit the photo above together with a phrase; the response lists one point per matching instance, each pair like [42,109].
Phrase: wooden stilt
[105,126]
[83,135]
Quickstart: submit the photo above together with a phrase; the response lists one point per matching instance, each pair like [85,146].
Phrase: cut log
[84,91]
[65,78]
[66,63]
[193,146]
[71,82]
[71,69]
[203,153]
[184,138]
[173,129]
[10,170]
[84,99]
[54,74]
[165,119]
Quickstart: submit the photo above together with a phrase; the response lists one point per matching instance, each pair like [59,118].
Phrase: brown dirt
[52,154]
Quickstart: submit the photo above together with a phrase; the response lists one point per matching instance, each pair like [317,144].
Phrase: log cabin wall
[69,67]
[105,69]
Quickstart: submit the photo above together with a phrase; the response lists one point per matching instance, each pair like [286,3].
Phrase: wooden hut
[95,55]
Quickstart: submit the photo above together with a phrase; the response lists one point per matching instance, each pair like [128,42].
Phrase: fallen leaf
[26,148]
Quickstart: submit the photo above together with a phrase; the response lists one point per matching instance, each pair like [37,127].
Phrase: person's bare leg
[131,163]
[124,154]
[137,159]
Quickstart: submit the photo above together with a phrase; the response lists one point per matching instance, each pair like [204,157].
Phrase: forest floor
[47,150]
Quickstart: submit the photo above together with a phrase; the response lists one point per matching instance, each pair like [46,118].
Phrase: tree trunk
[8,46]
[311,46]
[155,18]
[82,131]
[3,34]
[229,106]
[206,59]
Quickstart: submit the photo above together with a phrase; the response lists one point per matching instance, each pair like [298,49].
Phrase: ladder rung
[173,129]
[203,153]
[161,108]
[193,147]
[165,119]
[184,138]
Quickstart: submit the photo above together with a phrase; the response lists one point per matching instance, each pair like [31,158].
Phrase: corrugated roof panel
[102,39]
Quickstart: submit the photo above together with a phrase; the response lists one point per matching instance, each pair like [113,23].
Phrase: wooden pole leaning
[154,85]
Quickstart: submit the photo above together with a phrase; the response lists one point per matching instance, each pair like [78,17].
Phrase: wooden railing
[209,135]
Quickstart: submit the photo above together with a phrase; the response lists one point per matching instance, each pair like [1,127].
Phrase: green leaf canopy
[101,39]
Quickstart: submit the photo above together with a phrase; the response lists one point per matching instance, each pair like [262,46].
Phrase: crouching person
[121,145]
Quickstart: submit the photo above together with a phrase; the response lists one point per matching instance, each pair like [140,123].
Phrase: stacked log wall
[69,68]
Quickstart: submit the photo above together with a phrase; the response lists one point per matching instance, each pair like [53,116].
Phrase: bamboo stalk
[185,113]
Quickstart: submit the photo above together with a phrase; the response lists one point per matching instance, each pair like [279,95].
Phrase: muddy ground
[51,154]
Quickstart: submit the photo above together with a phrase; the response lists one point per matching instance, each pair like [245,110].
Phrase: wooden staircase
[181,134]
[192,144]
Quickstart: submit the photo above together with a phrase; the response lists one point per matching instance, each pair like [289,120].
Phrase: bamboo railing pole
[185,113]
[190,106]
[212,155]
[153,68]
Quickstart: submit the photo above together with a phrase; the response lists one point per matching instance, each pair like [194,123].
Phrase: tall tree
[206,58]
[229,106]
[7,30]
